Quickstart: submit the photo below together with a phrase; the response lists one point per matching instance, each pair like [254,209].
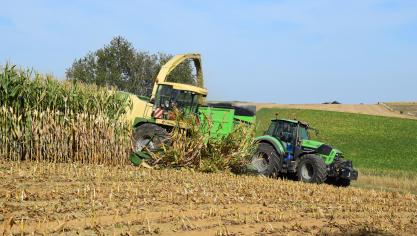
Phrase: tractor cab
[289,132]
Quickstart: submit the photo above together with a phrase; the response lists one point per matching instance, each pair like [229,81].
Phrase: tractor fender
[273,141]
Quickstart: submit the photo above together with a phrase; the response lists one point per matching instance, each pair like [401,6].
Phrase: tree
[119,64]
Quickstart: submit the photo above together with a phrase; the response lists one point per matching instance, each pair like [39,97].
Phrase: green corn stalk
[45,119]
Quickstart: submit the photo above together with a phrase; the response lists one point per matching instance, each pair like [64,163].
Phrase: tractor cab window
[169,98]
[302,132]
[271,129]
[285,131]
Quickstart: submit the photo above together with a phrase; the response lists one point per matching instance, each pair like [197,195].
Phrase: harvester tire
[266,161]
[312,169]
[151,136]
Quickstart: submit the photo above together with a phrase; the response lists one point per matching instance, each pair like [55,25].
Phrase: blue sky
[265,51]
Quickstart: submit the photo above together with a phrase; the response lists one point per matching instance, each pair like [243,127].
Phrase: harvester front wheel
[312,169]
[266,161]
[151,136]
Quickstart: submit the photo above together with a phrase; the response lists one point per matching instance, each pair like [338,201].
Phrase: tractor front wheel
[151,136]
[312,169]
[266,161]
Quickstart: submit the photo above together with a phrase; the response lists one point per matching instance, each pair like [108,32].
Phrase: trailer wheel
[153,136]
[266,161]
[312,169]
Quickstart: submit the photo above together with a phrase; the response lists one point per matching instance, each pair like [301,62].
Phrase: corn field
[60,121]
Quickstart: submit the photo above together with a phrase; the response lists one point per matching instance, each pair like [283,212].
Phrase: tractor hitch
[342,169]
[347,171]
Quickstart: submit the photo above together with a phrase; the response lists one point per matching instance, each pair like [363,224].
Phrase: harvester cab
[168,96]
[169,100]
[286,148]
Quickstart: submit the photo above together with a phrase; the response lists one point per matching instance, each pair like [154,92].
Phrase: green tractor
[286,148]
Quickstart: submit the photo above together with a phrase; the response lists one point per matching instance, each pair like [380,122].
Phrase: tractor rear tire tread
[275,159]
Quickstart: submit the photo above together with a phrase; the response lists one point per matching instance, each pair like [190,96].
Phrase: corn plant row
[24,90]
[45,119]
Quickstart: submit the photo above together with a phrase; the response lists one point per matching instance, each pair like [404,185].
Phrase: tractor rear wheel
[312,169]
[151,136]
[266,161]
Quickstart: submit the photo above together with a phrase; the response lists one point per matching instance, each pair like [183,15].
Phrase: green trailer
[219,119]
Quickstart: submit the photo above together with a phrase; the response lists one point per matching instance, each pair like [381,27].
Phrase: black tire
[153,136]
[339,182]
[312,169]
[266,161]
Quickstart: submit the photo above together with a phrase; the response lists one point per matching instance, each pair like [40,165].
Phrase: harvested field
[369,109]
[71,199]
[408,108]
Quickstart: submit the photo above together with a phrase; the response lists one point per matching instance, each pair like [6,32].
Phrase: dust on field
[70,199]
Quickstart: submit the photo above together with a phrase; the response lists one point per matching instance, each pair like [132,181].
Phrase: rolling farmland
[64,170]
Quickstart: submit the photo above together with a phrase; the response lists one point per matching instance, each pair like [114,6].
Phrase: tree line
[118,64]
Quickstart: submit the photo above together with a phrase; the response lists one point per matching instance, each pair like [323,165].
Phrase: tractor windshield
[169,98]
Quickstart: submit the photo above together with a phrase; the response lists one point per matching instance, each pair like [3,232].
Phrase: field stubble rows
[46,198]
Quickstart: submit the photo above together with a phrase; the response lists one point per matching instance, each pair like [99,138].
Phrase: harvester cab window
[185,100]
[169,98]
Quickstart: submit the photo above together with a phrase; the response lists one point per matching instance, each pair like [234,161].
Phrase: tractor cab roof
[292,121]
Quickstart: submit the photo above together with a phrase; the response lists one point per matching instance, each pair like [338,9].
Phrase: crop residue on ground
[48,198]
